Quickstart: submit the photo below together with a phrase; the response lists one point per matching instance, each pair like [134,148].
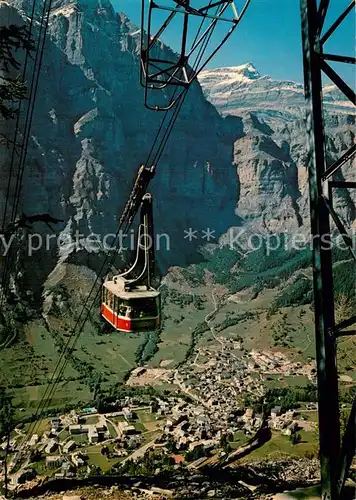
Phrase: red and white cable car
[135,310]
[129,302]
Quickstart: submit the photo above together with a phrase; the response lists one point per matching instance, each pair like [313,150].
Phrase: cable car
[129,302]
[133,310]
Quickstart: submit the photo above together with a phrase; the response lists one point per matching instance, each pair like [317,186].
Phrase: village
[206,417]
[84,442]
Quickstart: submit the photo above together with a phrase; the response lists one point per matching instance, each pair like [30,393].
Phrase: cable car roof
[136,293]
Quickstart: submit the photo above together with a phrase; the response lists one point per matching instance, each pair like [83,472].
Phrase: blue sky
[269,36]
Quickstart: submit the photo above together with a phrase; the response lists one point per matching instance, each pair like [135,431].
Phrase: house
[93,435]
[293,427]
[51,446]
[177,409]
[54,462]
[276,411]
[77,429]
[202,420]
[56,423]
[78,459]
[248,415]
[133,443]
[287,432]
[276,424]
[182,443]
[207,444]
[127,413]
[128,430]
[69,446]
[66,468]
[258,420]
[34,440]
[171,422]
[101,428]
[163,407]
[179,433]
[184,425]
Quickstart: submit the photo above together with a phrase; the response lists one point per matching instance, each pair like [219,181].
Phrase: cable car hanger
[129,301]
[159,73]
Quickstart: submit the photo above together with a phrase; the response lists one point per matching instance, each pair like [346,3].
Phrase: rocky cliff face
[271,156]
[90,133]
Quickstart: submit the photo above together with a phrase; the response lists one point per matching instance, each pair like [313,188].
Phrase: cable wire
[18,116]
[81,321]
[27,129]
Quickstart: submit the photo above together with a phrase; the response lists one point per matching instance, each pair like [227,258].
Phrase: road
[140,452]
[115,426]
[208,319]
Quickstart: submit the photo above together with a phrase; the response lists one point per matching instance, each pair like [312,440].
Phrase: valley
[220,401]
[200,323]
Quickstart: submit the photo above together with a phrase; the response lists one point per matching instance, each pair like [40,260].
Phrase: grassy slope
[102,353]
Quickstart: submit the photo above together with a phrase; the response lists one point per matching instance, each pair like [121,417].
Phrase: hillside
[271,156]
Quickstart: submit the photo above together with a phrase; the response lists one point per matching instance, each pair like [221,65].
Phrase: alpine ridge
[91,132]
[271,156]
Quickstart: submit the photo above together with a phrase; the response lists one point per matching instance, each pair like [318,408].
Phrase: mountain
[271,156]
[91,132]
[236,89]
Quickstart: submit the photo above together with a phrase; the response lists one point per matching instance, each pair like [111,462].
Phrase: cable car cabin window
[145,308]
[105,295]
[110,299]
[116,303]
[122,310]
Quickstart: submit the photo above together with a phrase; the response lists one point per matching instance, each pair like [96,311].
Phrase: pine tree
[12,88]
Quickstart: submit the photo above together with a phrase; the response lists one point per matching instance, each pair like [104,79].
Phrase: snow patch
[66,10]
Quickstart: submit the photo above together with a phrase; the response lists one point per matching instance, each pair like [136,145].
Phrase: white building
[77,429]
[69,446]
[34,440]
[51,446]
[77,460]
[56,423]
[127,413]
[93,435]
[276,411]
[54,462]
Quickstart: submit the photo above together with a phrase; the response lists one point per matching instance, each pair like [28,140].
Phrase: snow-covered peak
[232,74]
[241,88]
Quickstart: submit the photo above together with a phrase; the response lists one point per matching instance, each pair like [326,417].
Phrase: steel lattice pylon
[336,453]
[162,69]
